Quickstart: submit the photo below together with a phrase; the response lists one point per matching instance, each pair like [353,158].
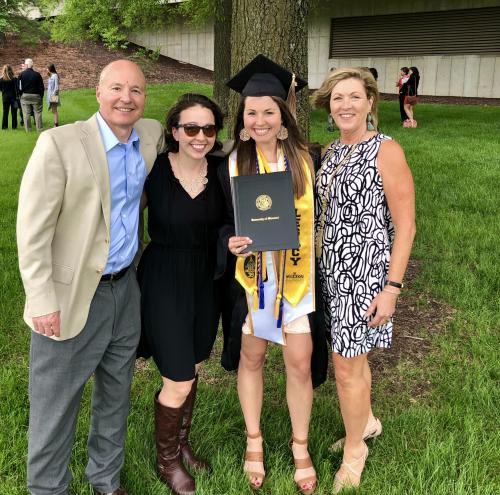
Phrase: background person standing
[8,89]
[32,90]
[18,95]
[53,98]
[404,75]
[410,90]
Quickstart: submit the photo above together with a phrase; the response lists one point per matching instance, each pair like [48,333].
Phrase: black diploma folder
[264,210]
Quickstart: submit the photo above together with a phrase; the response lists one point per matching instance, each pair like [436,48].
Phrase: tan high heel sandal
[254,456]
[372,430]
[303,463]
[347,482]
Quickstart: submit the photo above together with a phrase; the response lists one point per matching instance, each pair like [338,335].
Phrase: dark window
[422,33]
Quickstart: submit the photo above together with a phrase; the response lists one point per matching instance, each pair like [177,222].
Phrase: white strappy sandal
[372,430]
[348,482]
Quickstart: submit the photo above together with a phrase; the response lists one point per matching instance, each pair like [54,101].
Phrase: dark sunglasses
[192,130]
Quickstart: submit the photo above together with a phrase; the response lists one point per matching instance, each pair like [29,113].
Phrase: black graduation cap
[263,77]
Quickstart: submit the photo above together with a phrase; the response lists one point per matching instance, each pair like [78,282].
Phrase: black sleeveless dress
[180,301]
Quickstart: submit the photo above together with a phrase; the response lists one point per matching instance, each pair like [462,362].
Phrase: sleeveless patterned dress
[357,239]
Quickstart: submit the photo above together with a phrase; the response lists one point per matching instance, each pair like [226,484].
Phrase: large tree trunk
[222,52]
[278,30]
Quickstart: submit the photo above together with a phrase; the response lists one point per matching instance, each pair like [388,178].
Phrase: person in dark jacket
[32,90]
[404,75]
[8,89]
[410,90]
[18,96]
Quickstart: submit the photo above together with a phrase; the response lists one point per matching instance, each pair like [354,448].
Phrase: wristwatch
[395,284]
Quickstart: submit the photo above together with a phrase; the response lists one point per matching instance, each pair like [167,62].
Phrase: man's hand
[48,325]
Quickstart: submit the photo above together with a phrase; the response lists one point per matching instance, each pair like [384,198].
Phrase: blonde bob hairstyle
[321,98]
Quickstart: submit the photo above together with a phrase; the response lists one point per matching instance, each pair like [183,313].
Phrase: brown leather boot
[190,460]
[170,468]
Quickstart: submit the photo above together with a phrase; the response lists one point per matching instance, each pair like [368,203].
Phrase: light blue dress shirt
[127,173]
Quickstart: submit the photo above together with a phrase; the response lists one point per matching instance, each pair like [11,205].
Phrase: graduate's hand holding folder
[264,213]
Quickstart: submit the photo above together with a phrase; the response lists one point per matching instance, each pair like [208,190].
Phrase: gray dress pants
[59,370]
[31,103]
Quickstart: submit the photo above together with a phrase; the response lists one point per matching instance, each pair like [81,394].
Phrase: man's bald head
[121,93]
[120,66]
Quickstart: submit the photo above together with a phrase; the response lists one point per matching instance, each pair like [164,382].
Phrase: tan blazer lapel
[94,148]
[147,146]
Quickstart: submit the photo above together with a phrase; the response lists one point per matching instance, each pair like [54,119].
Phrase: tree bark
[222,52]
[278,30]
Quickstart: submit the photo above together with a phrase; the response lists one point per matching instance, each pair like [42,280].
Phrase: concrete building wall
[348,8]
[182,42]
[319,48]
[460,75]
[442,75]
[475,75]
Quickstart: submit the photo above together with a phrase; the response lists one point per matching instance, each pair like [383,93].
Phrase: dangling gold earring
[244,136]
[282,133]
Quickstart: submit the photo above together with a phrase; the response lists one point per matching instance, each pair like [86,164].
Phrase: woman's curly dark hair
[189,100]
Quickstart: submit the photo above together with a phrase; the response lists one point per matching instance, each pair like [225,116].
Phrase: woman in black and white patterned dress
[365,225]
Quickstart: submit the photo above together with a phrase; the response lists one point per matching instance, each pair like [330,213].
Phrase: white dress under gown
[262,322]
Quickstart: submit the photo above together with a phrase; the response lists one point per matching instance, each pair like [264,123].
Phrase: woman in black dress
[180,306]
[410,90]
[404,75]
[9,96]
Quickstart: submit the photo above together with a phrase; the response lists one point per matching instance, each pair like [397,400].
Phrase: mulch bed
[417,320]
[79,65]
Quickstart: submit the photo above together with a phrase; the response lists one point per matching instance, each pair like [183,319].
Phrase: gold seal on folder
[263,202]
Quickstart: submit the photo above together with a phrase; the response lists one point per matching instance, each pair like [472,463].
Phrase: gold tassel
[255,300]
[277,306]
[291,99]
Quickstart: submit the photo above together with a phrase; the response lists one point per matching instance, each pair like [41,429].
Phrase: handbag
[412,99]
[54,99]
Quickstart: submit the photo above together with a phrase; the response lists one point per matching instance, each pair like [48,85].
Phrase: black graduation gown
[234,307]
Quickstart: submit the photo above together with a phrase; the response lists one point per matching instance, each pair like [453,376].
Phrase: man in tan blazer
[77,236]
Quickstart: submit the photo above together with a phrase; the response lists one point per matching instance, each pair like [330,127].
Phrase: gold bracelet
[391,291]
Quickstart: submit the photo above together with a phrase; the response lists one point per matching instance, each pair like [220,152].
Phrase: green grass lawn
[445,441]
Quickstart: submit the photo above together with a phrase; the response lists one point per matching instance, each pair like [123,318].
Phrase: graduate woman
[278,295]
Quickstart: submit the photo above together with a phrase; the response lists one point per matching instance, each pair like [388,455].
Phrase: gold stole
[297,281]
